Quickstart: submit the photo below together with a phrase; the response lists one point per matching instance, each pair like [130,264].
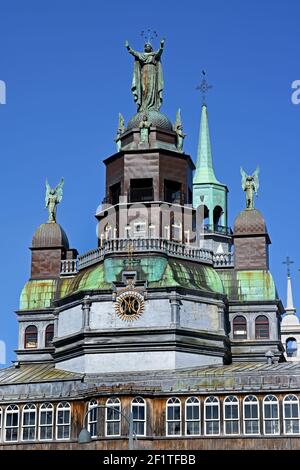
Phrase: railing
[68,267]
[223,260]
[210,228]
[156,245]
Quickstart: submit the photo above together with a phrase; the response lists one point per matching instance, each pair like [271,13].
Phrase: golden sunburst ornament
[129,305]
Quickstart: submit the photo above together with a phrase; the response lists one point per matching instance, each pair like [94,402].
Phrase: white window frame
[208,402]
[91,422]
[192,402]
[251,403]
[139,402]
[62,407]
[229,402]
[265,401]
[46,408]
[12,409]
[294,400]
[113,403]
[173,402]
[27,410]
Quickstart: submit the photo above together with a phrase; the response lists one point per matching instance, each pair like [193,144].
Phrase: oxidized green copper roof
[204,167]
[249,285]
[37,294]
[157,270]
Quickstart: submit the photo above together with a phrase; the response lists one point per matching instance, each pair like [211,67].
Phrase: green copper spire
[204,166]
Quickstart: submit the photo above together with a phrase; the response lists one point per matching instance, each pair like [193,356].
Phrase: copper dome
[50,235]
[250,221]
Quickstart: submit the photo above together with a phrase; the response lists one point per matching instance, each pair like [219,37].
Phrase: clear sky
[68,75]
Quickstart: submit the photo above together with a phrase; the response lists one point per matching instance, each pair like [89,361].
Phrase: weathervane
[148,35]
[204,87]
[288,263]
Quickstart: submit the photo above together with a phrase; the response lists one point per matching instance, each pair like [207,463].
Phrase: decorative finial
[204,87]
[53,197]
[288,263]
[148,35]
[250,184]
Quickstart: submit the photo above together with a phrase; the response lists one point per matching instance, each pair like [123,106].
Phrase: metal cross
[148,35]
[204,87]
[288,263]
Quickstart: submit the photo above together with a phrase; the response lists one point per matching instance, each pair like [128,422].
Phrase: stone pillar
[86,309]
[175,309]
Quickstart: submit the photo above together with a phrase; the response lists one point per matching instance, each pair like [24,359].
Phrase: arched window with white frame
[138,410]
[291,414]
[212,416]
[173,416]
[11,431]
[92,418]
[251,415]
[29,422]
[231,415]
[192,417]
[113,417]
[271,415]
[63,421]
[46,421]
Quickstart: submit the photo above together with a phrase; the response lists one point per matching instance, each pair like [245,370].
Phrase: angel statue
[178,128]
[250,185]
[53,197]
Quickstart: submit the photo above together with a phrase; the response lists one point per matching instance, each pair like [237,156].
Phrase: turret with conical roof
[209,195]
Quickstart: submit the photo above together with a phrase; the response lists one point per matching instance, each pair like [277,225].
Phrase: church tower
[209,195]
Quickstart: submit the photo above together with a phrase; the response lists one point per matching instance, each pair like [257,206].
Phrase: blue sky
[68,75]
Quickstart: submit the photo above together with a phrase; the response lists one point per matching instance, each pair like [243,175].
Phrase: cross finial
[148,35]
[204,87]
[288,263]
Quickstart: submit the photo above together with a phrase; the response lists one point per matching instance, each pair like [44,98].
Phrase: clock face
[129,305]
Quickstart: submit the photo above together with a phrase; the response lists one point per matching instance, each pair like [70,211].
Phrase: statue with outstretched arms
[147,82]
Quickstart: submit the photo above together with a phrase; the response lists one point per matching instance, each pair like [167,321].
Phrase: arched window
[29,423]
[93,417]
[138,409]
[192,417]
[31,337]
[11,423]
[218,211]
[271,415]
[113,417]
[63,421]
[46,422]
[173,416]
[251,415]
[239,325]
[212,416]
[291,414]
[49,333]
[203,215]
[291,347]
[261,327]
[231,415]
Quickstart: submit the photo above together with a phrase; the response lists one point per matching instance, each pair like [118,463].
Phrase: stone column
[86,309]
[175,309]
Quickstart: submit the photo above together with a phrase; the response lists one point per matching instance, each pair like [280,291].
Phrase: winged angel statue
[53,197]
[250,184]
